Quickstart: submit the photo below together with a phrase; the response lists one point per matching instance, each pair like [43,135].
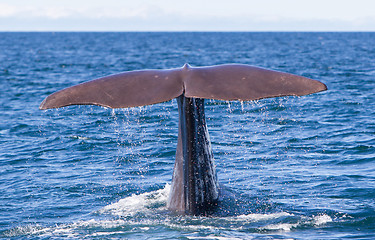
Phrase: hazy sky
[187,15]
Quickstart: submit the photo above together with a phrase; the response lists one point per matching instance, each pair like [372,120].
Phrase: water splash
[138,203]
[146,212]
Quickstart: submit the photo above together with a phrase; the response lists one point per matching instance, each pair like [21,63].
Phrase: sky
[188,15]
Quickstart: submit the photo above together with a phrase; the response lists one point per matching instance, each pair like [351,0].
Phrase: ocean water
[294,167]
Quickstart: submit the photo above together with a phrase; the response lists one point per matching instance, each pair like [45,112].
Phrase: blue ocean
[294,167]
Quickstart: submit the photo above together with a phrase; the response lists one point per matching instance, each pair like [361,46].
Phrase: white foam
[189,227]
[137,203]
[101,234]
[108,227]
[106,224]
[321,219]
[218,238]
[256,217]
[80,137]
[29,229]
[149,204]
[281,226]
[40,231]
[315,221]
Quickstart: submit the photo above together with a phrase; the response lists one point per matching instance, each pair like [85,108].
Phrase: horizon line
[187,31]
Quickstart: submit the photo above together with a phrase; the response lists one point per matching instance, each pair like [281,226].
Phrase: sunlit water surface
[293,168]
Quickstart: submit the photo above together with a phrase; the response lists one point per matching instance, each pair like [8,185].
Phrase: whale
[194,189]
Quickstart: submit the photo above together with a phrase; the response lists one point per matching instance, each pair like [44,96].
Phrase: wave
[146,214]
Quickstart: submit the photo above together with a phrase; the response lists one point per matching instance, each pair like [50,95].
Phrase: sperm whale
[194,188]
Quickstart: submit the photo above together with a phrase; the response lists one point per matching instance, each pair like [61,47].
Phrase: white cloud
[7,10]
[90,11]
[142,12]
[216,15]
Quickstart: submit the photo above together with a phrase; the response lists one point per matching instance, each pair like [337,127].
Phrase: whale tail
[194,184]
[222,82]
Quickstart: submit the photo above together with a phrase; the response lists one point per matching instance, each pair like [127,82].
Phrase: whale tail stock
[194,189]
[221,82]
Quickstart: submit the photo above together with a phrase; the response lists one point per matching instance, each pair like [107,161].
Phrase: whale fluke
[222,82]
[194,189]
[128,89]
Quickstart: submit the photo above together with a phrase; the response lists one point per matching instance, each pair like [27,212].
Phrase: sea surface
[294,167]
